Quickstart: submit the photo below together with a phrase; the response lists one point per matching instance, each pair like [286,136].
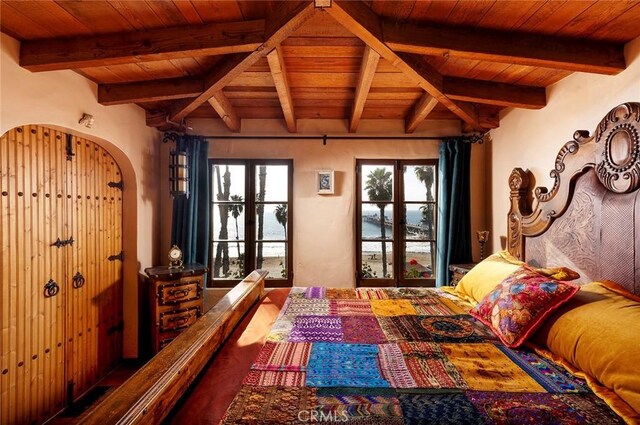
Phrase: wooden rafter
[492,93]
[149,91]
[223,107]
[506,47]
[281,25]
[280,79]
[419,112]
[367,26]
[151,45]
[367,71]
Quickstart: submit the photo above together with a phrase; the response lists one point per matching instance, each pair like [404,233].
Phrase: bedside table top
[461,268]
[165,272]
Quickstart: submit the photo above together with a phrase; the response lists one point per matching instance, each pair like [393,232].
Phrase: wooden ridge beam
[366,25]
[367,71]
[492,93]
[419,112]
[140,46]
[284,22]
[223,107]
[506,47]
[149,91]
[279,74]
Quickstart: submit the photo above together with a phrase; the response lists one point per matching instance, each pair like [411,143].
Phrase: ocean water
[272,230]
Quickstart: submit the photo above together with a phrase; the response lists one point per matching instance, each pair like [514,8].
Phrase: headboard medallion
[589,218]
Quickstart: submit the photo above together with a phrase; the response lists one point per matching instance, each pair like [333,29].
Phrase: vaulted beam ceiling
[498,46]
[367,72]
[227,113]
[365,24]
[150,91]
[139,46]
[280,79]
[419,112]
[286,20]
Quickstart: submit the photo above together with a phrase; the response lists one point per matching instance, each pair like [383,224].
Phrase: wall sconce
[86,120]
[179,174]
[483,236]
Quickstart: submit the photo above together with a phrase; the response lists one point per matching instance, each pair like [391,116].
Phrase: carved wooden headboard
[590,219]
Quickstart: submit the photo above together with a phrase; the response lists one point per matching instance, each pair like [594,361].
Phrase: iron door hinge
[118,185]
[119,256]
[69,148]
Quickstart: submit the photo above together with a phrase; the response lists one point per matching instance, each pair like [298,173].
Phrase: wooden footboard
[150,394]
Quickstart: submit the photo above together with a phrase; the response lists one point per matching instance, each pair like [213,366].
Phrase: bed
[416,355]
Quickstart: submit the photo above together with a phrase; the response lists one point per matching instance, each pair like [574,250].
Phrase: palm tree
[379,187]
[222,251]
[281,216]
[262,183]
[426,174]
[236,210]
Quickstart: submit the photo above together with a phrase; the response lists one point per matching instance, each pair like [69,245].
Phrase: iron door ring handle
[51,289]
[77,280]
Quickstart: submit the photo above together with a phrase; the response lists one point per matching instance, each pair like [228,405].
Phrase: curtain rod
[473,138]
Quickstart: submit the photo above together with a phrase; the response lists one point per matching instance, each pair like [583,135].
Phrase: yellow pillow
[485,276]
[598,332]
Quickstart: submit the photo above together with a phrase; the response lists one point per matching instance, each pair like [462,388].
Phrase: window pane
[419,260]
[377,260]
[227,180]
[272,183]
[274,223]
[226,219]
[271,256]
[377,182]
[371,225]
[419,182]
[420,221]
[228,260]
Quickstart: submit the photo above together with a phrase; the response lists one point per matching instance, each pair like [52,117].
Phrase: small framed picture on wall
[324,182]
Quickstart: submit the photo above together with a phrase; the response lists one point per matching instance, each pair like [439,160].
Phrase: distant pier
[415,229]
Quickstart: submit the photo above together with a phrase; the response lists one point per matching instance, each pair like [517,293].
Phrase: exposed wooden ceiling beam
[492,93]
[366,25]
[419,112]
[506,47]
[284,22]
[157,44]
[149,91]
[279,74]
[367,71]
[223,107]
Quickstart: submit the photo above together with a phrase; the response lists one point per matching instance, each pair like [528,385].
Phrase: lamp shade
[179,174]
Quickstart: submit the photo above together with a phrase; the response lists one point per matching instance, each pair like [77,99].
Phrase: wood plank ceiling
[353,60]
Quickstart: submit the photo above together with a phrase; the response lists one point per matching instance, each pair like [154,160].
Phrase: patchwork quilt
[401,356]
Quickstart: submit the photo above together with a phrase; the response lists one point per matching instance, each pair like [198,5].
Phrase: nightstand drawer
[178,292]
[178,319]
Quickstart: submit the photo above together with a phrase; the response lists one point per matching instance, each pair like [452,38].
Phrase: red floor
[222,379]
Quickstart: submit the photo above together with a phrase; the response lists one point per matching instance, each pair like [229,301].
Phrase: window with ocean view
[251,218]
[396,234]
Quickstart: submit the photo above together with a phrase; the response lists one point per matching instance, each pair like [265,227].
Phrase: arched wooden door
[61,277]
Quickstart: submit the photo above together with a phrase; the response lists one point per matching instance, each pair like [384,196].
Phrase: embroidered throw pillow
[520,303]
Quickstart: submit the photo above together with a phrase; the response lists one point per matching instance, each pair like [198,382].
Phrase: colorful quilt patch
[316,328]
[281,329]
[455,329]
[270,405]
[371,293]
[430,306]
[554,379]
[344,365]
[429,366]
[307,306]
[411,293]
[441,409]
[283,356]
[485,368]
[560,409]
[316,292]
[403,328]
[392,307]
[350,307]
[362,330]
[360,408]
[394,368]
[341,293]
[269,378]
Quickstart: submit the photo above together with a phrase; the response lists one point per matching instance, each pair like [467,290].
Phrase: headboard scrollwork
[585,219]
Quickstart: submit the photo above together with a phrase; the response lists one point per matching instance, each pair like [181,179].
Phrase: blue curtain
[454,207]
[190,223]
